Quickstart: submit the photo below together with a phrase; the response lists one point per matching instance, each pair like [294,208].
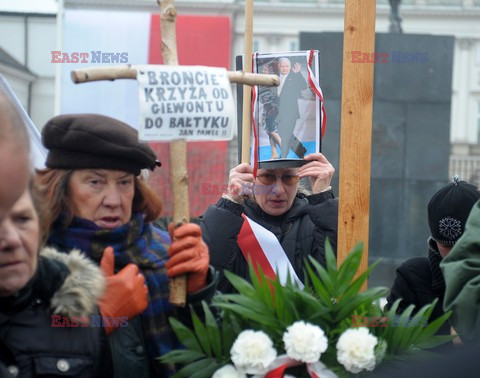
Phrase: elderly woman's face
[102,196]
[275,189]
[19,241]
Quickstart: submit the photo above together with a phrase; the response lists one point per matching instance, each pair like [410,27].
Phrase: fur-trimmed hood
[83,285]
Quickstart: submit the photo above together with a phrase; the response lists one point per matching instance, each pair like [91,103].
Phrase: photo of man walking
[289,91]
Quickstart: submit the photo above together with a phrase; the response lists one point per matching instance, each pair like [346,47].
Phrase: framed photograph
[288,117]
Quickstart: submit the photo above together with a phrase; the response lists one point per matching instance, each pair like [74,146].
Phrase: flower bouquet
[329,328]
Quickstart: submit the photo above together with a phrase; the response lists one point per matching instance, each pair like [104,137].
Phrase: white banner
[185,102]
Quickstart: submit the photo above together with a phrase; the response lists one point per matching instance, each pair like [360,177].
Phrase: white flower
[305,342]
[228,371]
[355,350]
[252,352]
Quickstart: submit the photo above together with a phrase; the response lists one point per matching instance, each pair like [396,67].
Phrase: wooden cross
[356,130]
[356,119]
[178,149]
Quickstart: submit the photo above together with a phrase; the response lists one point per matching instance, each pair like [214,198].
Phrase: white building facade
[28,35]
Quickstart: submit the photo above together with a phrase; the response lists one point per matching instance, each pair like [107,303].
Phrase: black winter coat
[301,231]
[30,346]
[419,281]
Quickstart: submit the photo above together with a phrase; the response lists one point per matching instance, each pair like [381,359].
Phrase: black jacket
[301,231]
[30,345]
[419,281]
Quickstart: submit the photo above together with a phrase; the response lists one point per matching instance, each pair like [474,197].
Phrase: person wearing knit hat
[419,280]
[99,205]
[448,211]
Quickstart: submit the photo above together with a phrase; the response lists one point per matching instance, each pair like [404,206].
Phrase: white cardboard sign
[185,102]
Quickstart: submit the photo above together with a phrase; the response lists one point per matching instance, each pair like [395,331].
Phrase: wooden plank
[178,150]
[112,73]
[356,130]
[247,90]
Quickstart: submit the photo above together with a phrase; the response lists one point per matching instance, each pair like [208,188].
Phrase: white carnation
[305,342]
[228,371]
[356,350]
[252,352]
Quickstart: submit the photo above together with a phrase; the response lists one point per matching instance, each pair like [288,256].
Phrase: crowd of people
[84,270]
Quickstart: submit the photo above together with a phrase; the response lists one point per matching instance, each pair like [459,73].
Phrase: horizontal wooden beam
[130,72]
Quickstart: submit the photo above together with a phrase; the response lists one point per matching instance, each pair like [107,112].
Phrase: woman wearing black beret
[100,205]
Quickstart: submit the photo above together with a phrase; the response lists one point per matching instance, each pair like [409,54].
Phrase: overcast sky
[30,6]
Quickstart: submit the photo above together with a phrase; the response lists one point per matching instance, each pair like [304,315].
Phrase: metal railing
[466,167]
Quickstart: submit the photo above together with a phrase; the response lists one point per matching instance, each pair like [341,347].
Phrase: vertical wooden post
[247,90]
[356,130]
[178,149]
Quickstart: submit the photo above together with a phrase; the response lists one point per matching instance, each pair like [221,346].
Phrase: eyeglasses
[270,179]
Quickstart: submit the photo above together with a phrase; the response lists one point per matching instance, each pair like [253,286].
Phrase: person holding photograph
[297,222]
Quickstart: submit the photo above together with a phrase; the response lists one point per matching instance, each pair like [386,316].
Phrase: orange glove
[125,292]
[188,254]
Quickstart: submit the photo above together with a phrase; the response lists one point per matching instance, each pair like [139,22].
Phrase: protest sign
[185,102]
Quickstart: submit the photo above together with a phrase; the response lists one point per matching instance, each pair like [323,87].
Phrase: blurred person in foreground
[14,152]
[47,299]
[461,269]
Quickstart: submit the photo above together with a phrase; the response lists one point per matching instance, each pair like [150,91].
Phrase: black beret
[84,141]
[448,210]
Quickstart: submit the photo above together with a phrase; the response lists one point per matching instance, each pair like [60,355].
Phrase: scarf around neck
[434,258]
[136,242]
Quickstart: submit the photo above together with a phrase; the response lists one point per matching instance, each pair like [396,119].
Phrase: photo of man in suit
[289,91]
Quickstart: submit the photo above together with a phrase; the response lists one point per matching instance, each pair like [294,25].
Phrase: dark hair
[41,210]
[52,185]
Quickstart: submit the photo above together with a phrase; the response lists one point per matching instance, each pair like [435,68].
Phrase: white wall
[29,40]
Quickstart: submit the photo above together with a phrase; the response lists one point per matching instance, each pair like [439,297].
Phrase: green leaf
[280,299]
[249,314]
[261,283]
[181,356]
[201,369]
[212,331]
[324,277]
[251,303]
[398,332]
[434,341]
[242,285]
[201,333]
[367,297]
[319,288]
[433,327]
[230,330]
[331,261]
[185,335]
[349,268]
[423,313]
[354,288]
